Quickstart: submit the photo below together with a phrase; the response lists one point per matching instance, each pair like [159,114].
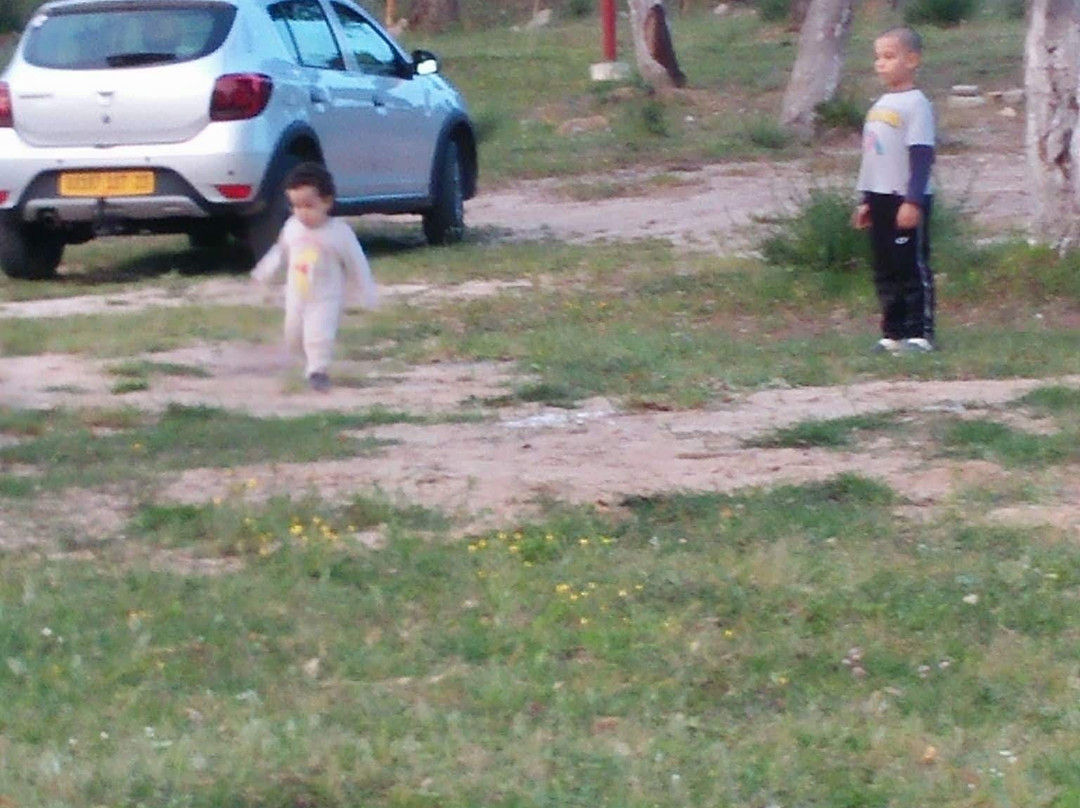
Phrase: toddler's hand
[908,217]
[860,217]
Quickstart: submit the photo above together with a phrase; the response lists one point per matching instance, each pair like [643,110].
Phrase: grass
[71,453]
[522,86]
[652,327]
[697,650]
[833,433]
[122,335]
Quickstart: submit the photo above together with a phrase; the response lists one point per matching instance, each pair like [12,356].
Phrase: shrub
[841,112]
[579,9]
[938,12]
[774,10]
[15,13]
[819,237]
[766,133]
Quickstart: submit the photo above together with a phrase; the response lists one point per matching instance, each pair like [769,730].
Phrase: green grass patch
[190,437]
[141,368]
[832,433]
[576,660]
[992,440]
[658,328]
[122,335]
[1054,399]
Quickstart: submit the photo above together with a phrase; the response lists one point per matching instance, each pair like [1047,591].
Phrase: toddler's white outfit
[322,263]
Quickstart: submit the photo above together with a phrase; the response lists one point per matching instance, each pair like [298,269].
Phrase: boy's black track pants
[902,275]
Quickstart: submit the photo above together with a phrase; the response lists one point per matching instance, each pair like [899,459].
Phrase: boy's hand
[908,217]
[860,217]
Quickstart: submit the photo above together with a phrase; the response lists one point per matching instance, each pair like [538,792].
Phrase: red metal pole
[607,22]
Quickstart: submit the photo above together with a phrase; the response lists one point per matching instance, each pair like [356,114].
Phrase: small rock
[859,672]
[929,756]
[722,10]
[1013,98]
[311,668]
[576,126]
[1007,112]
[541,19]
[965,90]
[963,101]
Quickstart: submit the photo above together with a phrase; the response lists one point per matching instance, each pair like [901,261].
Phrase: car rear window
[120,35]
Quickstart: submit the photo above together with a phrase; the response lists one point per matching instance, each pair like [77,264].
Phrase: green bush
[938,12]
[841,112]
[774,10]
[579,9]
[764,132]
[15,13]
[819,238]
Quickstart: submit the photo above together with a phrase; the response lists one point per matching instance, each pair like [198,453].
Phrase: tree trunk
[653,49]
[434,15]
[1051,54]
[391,13]
[820,57]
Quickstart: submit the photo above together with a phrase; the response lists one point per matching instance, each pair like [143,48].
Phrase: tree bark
[653,49]
[434,15]
[816,74]
[391,13]
[1051,73]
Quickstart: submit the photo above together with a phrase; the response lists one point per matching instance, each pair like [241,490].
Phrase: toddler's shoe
[319,382]
[917,345]
[887,345]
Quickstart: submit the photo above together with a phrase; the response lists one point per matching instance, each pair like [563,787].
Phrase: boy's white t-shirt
[896,122]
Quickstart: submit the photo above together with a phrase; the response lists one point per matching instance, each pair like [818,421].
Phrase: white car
[151,116]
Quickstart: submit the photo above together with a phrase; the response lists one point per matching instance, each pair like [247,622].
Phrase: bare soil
[497,471]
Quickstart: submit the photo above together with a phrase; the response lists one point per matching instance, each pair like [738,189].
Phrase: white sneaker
[886,345]
[917,345]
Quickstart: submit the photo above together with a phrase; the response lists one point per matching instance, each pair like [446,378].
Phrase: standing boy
[322,255]
[894,180]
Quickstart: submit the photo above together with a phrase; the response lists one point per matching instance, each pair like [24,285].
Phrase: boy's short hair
[312,175]
[908,38]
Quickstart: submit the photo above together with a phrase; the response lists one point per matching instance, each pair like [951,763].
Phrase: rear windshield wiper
[138,58]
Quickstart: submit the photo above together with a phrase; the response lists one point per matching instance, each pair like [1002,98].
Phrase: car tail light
[234,191]
[3,197]
[7,118]
[239,96]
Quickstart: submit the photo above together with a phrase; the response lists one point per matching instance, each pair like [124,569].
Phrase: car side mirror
[424,63]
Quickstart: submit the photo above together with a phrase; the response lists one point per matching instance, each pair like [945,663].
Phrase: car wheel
[263,228]
[29,252]
[444,221]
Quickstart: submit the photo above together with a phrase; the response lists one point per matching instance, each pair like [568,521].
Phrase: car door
[342,101]
[406,128]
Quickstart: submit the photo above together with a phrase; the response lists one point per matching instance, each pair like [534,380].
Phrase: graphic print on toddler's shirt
[304,267]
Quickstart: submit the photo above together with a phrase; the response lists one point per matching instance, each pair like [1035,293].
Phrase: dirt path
[496,472]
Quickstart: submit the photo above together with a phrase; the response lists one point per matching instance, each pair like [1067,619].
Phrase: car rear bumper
[187,176]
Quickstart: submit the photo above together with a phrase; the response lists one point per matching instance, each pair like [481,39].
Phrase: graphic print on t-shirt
[304,267]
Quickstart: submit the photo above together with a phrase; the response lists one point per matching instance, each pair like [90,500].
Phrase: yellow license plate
[106,183]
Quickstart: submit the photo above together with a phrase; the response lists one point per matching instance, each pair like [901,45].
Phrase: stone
[576,126]
[609,71]
[541,19]
[722,10]
[966,90]
[961,101]
[1014,97]
[1007,112]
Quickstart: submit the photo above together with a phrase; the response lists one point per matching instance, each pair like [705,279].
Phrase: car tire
[29,252]
[444,221]
[262,229]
